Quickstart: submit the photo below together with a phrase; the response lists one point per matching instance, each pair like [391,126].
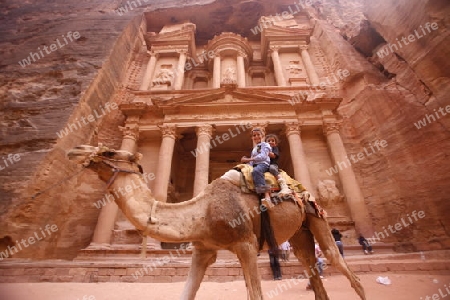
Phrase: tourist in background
[337,238]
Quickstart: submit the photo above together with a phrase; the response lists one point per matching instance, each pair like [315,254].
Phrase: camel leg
[303,244]
[201,259]
[247,255]
[322,232]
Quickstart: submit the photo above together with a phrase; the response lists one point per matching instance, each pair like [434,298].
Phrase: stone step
[133,251]
[166,269]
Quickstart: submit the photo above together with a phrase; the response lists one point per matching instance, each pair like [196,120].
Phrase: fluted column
[281,81]
[241,70]
[310,70]
[164,162]
[107,217]
[149,72]
[180,70]
[301,172]
[352,191]
[217,72]
[204,133]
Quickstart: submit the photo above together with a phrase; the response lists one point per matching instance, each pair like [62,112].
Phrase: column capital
[242,54]
[292,128]
[274,48]
[204,130]
[130,131]
[216,53]
[182,51]
[168,131]
[303,47]
[331,127]
[154,53]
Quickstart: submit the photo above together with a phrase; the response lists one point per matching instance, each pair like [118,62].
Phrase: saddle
[247,185]
[300,195]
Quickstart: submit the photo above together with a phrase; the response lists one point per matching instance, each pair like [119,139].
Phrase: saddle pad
[248,186]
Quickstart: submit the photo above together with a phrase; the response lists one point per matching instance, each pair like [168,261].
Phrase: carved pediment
[220,97]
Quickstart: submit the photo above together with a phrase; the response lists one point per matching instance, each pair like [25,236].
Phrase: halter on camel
[98,157]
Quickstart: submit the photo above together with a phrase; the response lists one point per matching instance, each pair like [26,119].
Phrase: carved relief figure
[294,68]
[165,75]
[229,75]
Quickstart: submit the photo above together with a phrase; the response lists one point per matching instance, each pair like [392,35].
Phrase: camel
[220,217]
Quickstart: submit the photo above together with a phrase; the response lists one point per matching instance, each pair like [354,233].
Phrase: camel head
[105,161]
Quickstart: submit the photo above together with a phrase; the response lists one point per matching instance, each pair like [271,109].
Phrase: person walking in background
[337,238]
[319,263]
[367,248]
[285,250]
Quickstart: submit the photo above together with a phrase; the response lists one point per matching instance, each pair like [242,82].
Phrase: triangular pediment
[220,97]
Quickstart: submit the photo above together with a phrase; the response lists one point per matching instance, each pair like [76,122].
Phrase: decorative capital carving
[303,47]
[154,53]
[182,51]
[204,129]
[331,127]
[292,128]
[242,54]
[130,131]
[168,131]
[274,49]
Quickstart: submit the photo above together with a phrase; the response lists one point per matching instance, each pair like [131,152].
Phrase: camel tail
[267,234]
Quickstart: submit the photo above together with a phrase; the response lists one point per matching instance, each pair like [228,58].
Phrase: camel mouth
[79,154]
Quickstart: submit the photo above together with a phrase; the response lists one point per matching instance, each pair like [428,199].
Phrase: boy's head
[257,135]
[272,139]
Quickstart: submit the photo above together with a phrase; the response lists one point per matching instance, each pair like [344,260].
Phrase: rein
[116,170]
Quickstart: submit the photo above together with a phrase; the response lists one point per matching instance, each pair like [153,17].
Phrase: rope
[58,183]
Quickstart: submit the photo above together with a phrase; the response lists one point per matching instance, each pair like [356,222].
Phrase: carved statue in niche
[229,76]
[294,68]
[164,76]
[329,193]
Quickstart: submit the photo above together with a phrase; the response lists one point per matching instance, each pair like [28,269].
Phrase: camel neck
[135,200]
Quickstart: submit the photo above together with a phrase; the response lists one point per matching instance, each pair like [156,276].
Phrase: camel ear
[137,157]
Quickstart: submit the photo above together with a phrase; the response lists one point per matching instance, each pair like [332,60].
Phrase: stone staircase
[125,265]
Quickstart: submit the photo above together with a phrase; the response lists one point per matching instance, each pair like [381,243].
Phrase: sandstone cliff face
[384,98]
[406,108]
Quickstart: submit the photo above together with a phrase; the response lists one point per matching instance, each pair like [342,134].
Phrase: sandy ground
[403,287]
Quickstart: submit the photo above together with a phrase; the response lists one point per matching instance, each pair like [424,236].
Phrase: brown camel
[220,217]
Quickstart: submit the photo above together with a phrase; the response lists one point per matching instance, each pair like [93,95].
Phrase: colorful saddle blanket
[309,203]
[248,186]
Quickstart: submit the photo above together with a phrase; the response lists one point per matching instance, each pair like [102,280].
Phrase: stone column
[277,67]
[149,72]
[217,73]
[164,162]
[352,191]
[241,70]
[301,172]
[313,78]
[179,80]
[204,133]
[107,217]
